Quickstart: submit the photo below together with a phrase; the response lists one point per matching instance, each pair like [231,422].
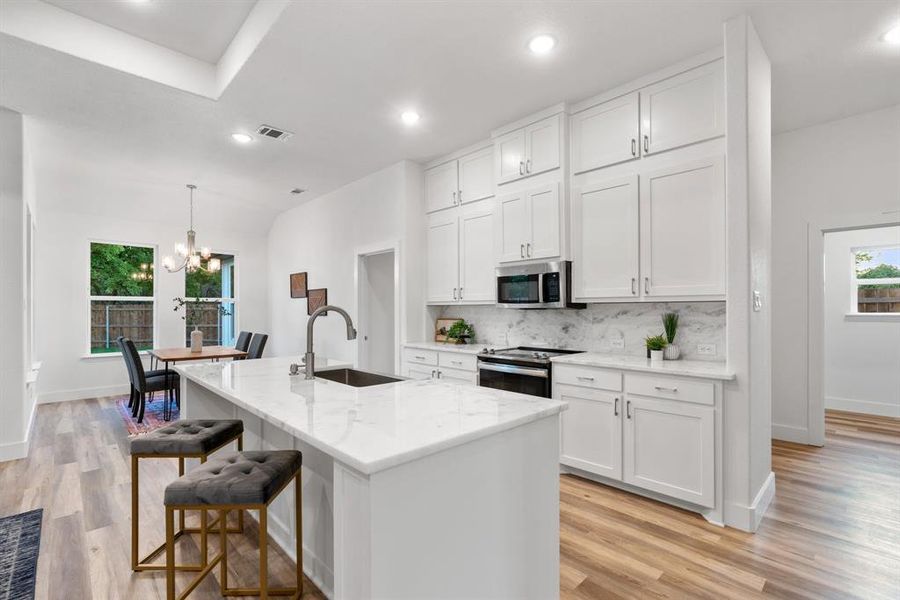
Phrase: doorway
[378,301]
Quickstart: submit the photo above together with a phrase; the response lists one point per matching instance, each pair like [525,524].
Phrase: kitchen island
[414,489]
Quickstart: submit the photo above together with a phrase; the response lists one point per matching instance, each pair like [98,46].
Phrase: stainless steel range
[524,369]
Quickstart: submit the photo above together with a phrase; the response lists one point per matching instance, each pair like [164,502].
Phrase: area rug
[20,542]
[153,415]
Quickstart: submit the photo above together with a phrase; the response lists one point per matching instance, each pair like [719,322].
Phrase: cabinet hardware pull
[522,250]
[528,249]
[419,357]
[433,372]
[646,285]
[453,199]
[616,407]
[584,378]
[455,362]
[660,388]
[460,293]
[459,195]
[454,293]
[633,147]
[521,168]
[439,373]
[528,166]
[633,290]
[646,144]
[628,409]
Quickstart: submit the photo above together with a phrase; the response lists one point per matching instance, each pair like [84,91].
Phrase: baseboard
[82,394]
[748,518]
[790,433]
[881,409]
[18,450]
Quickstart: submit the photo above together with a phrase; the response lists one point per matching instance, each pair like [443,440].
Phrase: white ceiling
[201,29]
[338,74]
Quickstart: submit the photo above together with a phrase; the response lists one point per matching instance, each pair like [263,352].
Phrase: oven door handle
[515,370]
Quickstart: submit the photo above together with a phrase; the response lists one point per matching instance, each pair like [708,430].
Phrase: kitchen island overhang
[416,489]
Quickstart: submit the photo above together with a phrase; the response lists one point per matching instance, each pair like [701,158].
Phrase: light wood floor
[833,530]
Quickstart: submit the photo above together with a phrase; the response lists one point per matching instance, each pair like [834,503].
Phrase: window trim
[855,282]
[233,300]
[91,298]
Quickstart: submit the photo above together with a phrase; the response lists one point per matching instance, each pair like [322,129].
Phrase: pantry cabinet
[461,262]
[467,179]
[528,224]
[683,230]
[528,150]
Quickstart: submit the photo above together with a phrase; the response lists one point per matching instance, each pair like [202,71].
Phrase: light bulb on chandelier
[189,258]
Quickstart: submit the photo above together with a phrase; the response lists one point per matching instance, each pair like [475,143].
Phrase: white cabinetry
[458,181]
[684,109]
[529,150]
[606,134]
[683,230]
[528,224]
[444,365]
[656,434]
[605,244]
[460,265]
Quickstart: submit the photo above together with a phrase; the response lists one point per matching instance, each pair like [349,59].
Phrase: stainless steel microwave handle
[542,373]
[541,288]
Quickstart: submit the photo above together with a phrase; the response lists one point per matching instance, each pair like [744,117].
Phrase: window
[215,313]
[121,296]
[877,279]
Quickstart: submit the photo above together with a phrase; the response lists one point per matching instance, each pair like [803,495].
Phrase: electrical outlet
[617,343]
[707,349]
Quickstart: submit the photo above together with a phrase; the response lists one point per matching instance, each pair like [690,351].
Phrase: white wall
[820,174]
[62,261]
[323,238]
[862,354]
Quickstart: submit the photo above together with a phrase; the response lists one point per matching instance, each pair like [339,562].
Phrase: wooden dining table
[181,354]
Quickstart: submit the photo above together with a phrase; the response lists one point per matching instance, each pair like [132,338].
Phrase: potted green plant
[460,332]
[656,344]
[191,310]
[670,324]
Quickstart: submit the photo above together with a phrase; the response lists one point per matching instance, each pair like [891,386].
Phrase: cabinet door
[443,256]
[683,230]
[512,227]
[669,448]
[418,371]
[476,176]
[605,236]
[440,186]
[591,436]
[606,134]
[544,221]
[509,156]
[684,109]
[456,376]
[542,145]
[477,279]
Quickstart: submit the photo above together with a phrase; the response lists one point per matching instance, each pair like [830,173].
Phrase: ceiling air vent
[273,133]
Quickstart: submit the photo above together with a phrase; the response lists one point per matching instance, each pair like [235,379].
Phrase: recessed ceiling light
[241,138]
[542,44]
[410,117]
[892,36]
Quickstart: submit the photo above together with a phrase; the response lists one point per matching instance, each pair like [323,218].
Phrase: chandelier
[144,274]
[187,256]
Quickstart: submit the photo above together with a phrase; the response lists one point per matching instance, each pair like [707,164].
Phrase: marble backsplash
[595,328]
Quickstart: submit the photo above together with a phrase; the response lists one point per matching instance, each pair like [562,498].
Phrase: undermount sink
[355,378]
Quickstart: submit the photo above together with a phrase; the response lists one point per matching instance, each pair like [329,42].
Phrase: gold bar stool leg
[170,554]
[298,520]
[240,512]
[223,542]
[181,474]
[263,554]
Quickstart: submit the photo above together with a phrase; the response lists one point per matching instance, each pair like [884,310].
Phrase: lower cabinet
[449,366]
[658,444]
[669,448]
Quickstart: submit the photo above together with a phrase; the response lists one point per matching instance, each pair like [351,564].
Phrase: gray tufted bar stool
[188,438]
[236,481]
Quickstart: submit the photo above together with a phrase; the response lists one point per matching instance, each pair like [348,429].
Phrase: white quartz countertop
[687,368]
[442,347]
[374,428]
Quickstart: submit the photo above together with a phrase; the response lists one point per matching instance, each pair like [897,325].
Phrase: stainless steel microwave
[539,285]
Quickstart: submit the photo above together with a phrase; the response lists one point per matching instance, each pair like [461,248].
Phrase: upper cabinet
[528,224]
[528,150]
[467,179]
[680,110]
[683,109]
[606,134]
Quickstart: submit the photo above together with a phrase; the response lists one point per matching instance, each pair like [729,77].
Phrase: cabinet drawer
[417,371]
[671,388]
[589,377]
[456,376]
[419,356]
[457,360]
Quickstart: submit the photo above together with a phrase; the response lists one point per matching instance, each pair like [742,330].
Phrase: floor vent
[273,133]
